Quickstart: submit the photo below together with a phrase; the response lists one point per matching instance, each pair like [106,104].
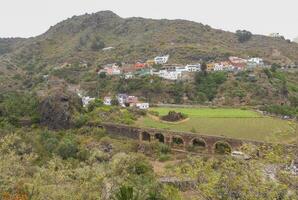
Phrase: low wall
[183,140]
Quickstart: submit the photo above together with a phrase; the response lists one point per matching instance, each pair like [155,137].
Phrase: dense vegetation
[86,164]
[17,106]
[75,161]
[78,41]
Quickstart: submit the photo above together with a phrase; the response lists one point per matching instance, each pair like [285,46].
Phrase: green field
[235,123]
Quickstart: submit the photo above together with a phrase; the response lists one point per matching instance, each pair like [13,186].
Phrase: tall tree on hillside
[204,68]
[243,35]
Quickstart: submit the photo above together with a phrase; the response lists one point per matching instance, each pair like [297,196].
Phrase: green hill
[81,38]
[79,41]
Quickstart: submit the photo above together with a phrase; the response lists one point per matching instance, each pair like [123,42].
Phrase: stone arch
[222,147]
[146,136]
[198,143]
[177,141]
[160,137]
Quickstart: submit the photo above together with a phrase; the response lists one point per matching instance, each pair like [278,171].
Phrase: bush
[164,157]
[80,120]
[94,104]
[163,148]
[243,35]
[67,149]
[281,110]
[154,113]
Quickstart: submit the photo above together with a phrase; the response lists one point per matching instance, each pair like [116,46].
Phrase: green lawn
[235,123]
[210,112]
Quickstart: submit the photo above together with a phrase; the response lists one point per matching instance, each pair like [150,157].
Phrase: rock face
[173,116]
[57,109]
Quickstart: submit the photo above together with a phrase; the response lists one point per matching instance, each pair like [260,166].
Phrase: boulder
[57,109]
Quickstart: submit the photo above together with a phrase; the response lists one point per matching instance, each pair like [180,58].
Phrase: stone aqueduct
[179,140]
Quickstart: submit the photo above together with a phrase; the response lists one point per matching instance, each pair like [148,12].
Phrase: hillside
[81,38]
[296,39]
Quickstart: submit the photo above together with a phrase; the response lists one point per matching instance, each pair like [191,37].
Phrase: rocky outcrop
[173,116]
[57,109]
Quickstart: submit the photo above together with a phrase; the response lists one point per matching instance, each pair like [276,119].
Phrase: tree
[204,67]
[243,35]
[68,148]
[97,44]
[114,102]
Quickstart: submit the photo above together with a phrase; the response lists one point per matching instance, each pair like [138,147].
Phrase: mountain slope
[296,39]
[81,38]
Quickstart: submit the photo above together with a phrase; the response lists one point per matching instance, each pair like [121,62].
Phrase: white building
[170,75]
[181,69]
[257,61]
[87,100]
[275,35]
[218,67]
[160,60]
[128,75]
[111,69]
[193,68]
[107,101]
[122,99]
[142,106]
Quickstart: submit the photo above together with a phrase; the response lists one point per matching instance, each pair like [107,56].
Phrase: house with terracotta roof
[238,63]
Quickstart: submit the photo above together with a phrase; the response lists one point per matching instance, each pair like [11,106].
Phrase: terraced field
[235,123]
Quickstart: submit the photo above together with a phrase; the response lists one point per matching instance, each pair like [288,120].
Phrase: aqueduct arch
[199,143]
[177,141]
[222,147]
[146,136]
[159,137]
[184,140]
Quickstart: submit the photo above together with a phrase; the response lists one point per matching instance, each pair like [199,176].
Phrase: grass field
[235,123]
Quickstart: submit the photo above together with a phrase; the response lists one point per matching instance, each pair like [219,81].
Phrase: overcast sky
[26,18]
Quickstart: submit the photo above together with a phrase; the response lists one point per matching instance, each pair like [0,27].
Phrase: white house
[275,35]
[160,60]
[87,100]
[193,68]
[257,61]
[181,69]
[107,101]
[218,67]
[142,106]
[111,69]
[128,75]
[122,99]
[170,75]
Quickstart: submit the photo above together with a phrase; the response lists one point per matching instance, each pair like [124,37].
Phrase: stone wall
[179,140]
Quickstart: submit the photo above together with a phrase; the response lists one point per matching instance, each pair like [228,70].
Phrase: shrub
[164,157]
[222,148]
[163,148]
[67,149]
[94,104]
[243,35]
[80,120]
[154,113]
[51,144]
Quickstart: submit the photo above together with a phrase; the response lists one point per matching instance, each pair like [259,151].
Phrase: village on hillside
[159,67]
